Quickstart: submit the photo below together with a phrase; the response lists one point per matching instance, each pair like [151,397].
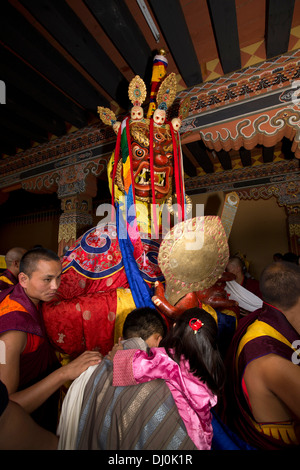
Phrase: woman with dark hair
[190,364]
[198,346]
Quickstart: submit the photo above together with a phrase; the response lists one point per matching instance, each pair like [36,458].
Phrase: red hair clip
[196,325]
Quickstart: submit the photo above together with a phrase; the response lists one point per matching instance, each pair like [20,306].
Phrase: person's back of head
[13,257]
[143,322]
[31,258]
[198,346]
[277,257]
[280,284]
[236,265]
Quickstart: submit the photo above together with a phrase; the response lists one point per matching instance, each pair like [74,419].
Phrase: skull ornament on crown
[159,117]
[137,113]
[137,93]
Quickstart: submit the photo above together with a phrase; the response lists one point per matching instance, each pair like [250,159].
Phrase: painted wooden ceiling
[61,59]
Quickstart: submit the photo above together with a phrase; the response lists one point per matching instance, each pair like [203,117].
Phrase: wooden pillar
[293,219]
[77,214]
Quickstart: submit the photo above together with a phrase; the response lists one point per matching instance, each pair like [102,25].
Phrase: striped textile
[138,417]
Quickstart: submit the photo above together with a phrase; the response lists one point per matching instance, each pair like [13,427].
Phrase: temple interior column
[293,219]
[77,214]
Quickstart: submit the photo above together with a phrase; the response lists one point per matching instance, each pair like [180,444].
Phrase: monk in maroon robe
[262,401]
[9,277]
[29,368]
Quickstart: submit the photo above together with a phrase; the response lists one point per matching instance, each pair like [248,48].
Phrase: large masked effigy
[145,239]
[113,267]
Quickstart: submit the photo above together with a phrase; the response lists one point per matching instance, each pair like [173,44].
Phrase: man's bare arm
[33,397]
[273,384]
[20,432]
[15,343]
[283,379]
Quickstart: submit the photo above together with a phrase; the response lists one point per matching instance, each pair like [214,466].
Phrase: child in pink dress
[190,364]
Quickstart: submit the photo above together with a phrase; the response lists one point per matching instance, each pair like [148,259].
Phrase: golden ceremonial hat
[193,256]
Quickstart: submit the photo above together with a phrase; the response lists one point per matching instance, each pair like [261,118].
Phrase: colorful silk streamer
[159,71]
[127,228]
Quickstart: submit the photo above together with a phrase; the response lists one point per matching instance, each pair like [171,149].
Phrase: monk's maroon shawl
[5,277]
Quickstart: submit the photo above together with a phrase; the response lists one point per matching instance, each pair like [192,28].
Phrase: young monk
[30,370]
